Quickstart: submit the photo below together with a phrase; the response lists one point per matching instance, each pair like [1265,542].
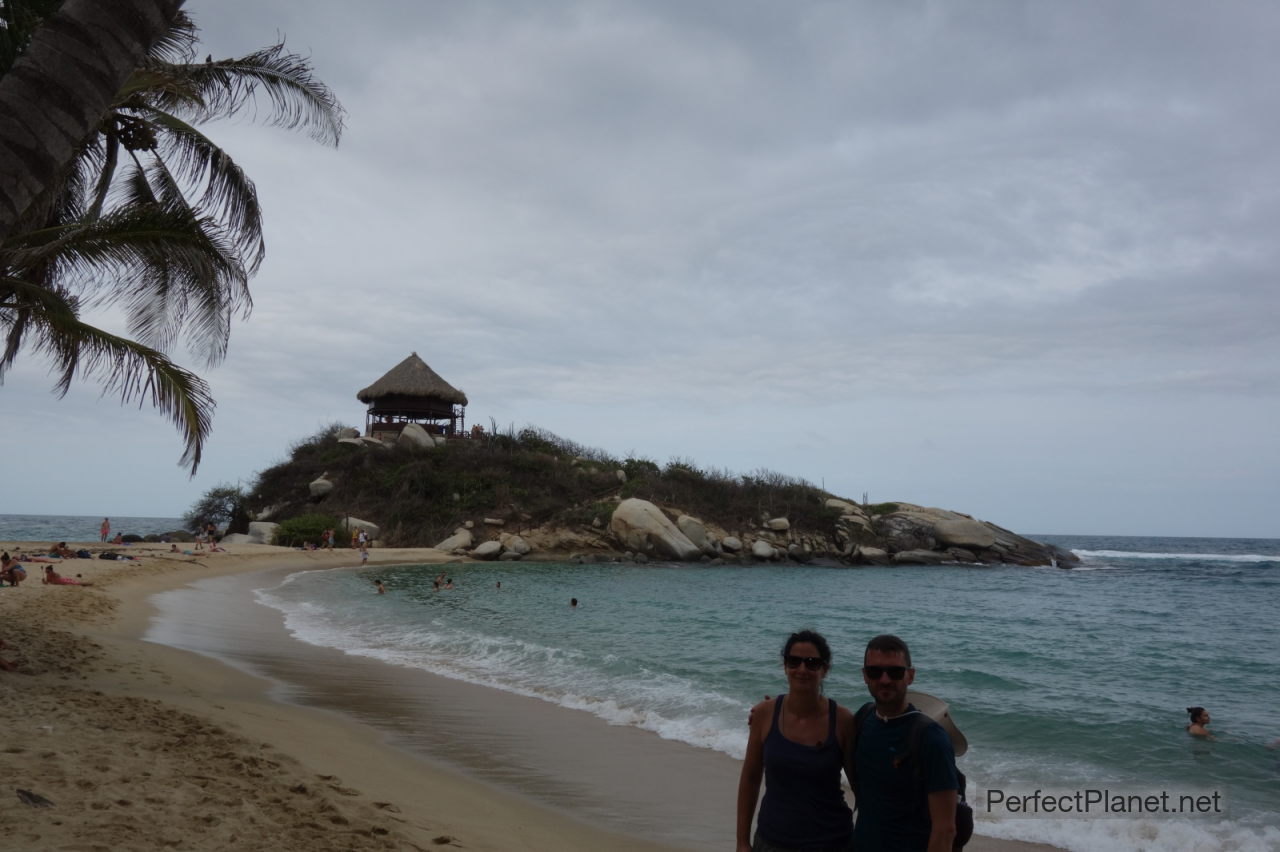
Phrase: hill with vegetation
[562,497]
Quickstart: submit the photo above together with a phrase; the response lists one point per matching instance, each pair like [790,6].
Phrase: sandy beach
[140,745]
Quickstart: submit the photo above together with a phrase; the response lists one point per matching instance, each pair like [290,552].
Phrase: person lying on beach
[1199,718]
[11,570]
[61,550]
[53,578]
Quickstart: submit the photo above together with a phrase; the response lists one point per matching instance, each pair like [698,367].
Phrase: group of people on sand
[900,762]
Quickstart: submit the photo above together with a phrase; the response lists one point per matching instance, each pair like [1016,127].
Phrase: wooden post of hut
[412,392]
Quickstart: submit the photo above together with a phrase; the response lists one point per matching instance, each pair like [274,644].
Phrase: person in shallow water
[797,744]
[1199,718]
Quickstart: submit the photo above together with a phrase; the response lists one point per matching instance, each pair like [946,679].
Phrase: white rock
[731,543]
[973,535]
[514,544]
[621,474]
[263,532]
[761,549]
[845,507]
[488,550]
[495,522]
[414,436]
[359,442]
[640,525]
[460,538]
[347,432]
[320,487]
[779,524]
[694,530]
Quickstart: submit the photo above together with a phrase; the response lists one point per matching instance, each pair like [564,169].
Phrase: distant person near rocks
[106,529]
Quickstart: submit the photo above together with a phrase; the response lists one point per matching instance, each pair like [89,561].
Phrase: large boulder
[460,539]
[965,533]
[320,486]
[852,530]
[763,550]
[512,543]
[778,524]
[639,525]
[694,530]
[347,432]
[488,550]
[731,543]
[262,532]
[863,555]
[413,436]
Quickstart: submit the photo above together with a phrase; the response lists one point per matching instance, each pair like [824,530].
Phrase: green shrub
[882,508]
[296,532]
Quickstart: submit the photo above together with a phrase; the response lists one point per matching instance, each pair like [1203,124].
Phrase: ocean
[1062,680]
[78,528]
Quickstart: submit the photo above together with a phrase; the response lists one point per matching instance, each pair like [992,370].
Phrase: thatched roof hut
[412,392]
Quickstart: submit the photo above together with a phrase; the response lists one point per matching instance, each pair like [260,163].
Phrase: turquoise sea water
[1060,679]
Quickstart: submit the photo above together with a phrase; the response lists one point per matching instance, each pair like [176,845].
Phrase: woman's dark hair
[814,638]
[1195,713]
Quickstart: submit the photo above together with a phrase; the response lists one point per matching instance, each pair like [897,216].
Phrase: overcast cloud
[1014,259]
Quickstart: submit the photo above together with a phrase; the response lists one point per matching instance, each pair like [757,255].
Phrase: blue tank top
[803,805]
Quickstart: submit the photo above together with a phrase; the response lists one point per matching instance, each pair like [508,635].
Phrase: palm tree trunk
[57,91]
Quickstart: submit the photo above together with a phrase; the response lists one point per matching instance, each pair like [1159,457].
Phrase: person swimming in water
[1199,718]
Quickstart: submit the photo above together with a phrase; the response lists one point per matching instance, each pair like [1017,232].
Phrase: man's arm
[942,818]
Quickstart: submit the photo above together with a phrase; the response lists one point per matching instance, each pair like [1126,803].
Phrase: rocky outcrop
[963,532]
[321,486]
[413,436]
[488,550]
[694,530]
[262,532]
[641,526]
[763,550]
[460,540]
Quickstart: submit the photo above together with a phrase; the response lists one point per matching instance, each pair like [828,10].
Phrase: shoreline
[363,786]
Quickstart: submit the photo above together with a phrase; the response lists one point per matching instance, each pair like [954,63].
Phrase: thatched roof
[412,377]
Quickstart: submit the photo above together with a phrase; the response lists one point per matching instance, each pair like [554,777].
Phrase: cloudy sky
[1014,259]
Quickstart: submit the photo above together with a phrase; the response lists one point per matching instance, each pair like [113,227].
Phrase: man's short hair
[887,643]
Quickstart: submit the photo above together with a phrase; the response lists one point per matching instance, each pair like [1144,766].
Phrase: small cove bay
[1060,679]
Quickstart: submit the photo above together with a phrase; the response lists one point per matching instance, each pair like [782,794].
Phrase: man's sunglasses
[810,663]
[876,672]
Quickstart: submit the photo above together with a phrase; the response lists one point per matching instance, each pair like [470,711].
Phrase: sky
[1014,259]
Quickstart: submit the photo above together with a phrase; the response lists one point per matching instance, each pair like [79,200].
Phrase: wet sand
[385,757]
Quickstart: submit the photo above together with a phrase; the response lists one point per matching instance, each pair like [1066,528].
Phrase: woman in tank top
[797,745]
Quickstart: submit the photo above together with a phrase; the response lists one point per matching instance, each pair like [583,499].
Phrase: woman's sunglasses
[894,672]
[810,663]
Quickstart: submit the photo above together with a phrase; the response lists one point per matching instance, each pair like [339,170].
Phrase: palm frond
[175,273]
[223,87]
[228,193]
[129,369]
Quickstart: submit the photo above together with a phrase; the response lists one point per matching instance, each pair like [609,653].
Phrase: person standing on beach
[797,743]
[907,791]
[106,529]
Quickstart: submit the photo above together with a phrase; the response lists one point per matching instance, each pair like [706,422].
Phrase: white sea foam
[1192,557]
[653,701]
[1126,835]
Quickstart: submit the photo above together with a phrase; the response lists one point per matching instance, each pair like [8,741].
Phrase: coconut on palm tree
[152,217]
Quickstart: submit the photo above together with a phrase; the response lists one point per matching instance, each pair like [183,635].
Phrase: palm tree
[123,228]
